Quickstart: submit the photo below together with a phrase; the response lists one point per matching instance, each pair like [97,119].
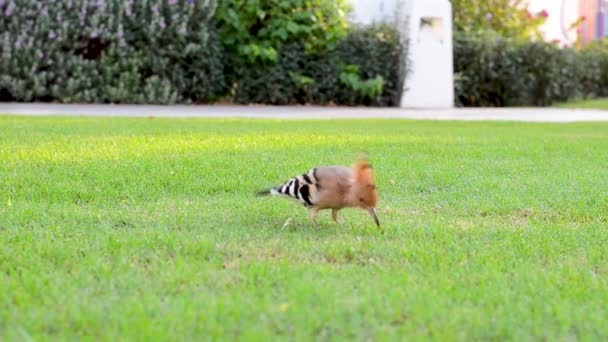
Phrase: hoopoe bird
[332,187]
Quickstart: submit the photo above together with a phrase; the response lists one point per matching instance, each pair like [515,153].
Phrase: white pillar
[427,25]
[430,83]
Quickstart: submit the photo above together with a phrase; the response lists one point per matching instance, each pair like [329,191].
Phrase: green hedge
[301,52]
[109,51]
[490,71]
[594,62]
[253,31]
[363,69]
[181,51]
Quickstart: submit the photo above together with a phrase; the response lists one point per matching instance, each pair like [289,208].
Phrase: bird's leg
[313,216]
[334,214]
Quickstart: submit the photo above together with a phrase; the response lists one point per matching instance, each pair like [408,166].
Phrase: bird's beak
[372,211]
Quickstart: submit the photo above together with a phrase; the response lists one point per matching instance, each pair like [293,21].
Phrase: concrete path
[306,112]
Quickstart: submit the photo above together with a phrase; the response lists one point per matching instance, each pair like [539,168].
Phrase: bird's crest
[364,183]
[363,171]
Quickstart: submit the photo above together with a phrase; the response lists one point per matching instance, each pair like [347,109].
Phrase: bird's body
[332,187]
[322,187]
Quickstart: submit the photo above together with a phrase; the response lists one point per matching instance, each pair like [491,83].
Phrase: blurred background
[314,52]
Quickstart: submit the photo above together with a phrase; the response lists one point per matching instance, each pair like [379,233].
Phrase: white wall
[370,11]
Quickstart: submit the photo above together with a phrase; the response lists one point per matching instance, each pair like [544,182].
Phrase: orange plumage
[333,187]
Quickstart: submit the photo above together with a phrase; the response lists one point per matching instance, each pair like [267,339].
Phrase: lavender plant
[144,51]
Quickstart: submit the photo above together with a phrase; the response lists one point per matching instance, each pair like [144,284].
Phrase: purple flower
[18,43]
[94,34]
[2,2]
[45,12]
[98,3]
[172,2]
[52,35]
[489,16]
[8,11]
[120,34]
[155,8]
[190,1]
[183,30]
[40,54]
[162,24]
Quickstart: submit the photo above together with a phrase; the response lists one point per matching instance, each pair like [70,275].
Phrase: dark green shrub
[479,71]
[594,69]
[363,69]
[109,51]
[491,71]
[377,51]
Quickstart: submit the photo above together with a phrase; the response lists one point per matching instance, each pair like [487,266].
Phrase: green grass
[586,104]
[137,229]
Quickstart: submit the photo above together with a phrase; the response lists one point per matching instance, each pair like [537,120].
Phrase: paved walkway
[305,112]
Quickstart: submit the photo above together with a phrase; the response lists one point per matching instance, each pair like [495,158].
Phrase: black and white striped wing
[301,188]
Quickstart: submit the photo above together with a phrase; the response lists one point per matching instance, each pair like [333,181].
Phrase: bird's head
[365,195]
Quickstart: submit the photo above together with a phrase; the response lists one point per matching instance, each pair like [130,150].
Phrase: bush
[594,64]
[109,51]
[491,71]
[164,52]
[363,69]
[254,31]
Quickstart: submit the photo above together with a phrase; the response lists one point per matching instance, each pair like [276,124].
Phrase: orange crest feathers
[363,171]
[364,183]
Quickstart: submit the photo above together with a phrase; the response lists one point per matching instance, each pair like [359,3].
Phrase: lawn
[586,104]
[140,229]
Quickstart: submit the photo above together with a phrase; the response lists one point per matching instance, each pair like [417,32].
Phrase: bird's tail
[266,192]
